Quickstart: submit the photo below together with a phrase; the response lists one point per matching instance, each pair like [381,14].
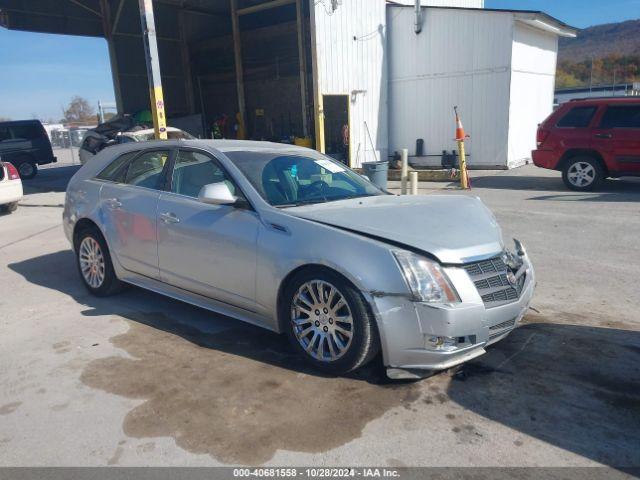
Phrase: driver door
[202,248]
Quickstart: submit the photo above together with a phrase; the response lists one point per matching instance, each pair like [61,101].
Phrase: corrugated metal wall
[533,72]
[351,45]
[462,57]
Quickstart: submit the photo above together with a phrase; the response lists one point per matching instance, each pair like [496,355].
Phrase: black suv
[25,144]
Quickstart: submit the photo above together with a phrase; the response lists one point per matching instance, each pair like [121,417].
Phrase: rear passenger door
[129,202]
[573,127]
[617,137]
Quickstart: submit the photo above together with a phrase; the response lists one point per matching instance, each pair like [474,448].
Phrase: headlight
[425,278]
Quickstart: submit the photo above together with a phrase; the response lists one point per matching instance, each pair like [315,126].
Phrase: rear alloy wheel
[94,264]
[582,174]
[27,169]
[329,324]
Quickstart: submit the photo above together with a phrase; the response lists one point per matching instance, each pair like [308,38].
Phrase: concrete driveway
[139,379]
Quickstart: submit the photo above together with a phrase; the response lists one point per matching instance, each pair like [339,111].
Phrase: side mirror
[366,177]
[216,194]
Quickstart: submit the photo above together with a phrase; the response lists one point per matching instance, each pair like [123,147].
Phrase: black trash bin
[377,172]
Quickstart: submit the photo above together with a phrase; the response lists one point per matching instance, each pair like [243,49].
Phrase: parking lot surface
[140,379]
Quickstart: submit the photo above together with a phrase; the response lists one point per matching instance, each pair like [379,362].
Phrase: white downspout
[418,23]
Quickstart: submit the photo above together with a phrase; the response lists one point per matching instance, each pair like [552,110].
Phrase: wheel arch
[84,224]
[583,152]
[280,301]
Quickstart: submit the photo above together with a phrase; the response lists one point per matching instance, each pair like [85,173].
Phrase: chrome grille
[490,278]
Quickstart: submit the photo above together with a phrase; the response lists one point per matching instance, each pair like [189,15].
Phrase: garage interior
[219,59]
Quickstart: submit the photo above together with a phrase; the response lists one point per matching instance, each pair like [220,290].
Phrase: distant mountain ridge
[602,40]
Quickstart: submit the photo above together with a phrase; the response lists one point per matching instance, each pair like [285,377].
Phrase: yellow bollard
[464,177]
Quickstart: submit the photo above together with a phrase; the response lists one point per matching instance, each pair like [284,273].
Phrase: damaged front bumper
[418,338]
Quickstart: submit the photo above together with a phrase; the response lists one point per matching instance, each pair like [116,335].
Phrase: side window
[26,132]
[627,116]
[194,170]
[577,117]
[114,172]
[146,169]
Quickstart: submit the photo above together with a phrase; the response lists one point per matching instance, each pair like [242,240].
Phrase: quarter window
[194,170]
[627,116]
[146,169]
[114,172]
[577,117]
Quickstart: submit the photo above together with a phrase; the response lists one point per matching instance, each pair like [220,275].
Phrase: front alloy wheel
[328,321]
[321,320]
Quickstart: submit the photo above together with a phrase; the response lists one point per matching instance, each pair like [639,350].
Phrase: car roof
[603,100]
[220,145]
[20,122]
[107,155]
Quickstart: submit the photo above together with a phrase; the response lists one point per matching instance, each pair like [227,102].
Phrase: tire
[339,353]
[582,174]
[27,169]
[9,207]
[102,281]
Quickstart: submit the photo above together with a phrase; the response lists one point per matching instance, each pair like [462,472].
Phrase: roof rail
[610,97]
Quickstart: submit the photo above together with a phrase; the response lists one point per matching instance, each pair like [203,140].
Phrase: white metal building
[497,66]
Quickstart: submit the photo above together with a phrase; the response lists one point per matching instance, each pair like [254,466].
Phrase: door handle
[113,203]
[169,217]
[603,135]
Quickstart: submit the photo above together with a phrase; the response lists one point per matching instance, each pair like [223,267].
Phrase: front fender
[286,243]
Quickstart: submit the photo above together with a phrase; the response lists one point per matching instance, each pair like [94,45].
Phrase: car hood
[453,228]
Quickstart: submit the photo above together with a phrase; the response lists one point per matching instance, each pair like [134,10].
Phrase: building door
[337,127]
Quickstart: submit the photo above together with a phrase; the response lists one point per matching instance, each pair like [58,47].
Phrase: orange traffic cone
[460,135]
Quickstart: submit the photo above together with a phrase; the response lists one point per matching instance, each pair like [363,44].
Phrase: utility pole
[153,69]
[100,112]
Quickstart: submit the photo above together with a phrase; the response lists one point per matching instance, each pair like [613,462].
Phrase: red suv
[590,140]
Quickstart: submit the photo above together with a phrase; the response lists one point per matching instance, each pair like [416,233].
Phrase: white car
[94,142]
[10,187]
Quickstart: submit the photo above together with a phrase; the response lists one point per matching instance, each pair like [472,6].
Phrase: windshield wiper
[323,200]
[299,204]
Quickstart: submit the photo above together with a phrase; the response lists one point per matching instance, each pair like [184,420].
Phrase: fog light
[442,343]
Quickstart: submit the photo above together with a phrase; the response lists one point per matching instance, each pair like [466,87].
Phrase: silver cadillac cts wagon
[288,239]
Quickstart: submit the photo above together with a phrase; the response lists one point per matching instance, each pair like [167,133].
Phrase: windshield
[290,178]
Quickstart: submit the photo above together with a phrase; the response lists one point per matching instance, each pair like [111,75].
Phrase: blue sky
[577,13]
[40,73]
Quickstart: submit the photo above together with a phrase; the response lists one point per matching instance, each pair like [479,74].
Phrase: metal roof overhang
[547,23]
[84,17]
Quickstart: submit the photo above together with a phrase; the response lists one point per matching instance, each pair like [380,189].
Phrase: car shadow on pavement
[572,386]
[610,190]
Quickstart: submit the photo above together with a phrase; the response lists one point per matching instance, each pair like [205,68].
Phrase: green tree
[79,110]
